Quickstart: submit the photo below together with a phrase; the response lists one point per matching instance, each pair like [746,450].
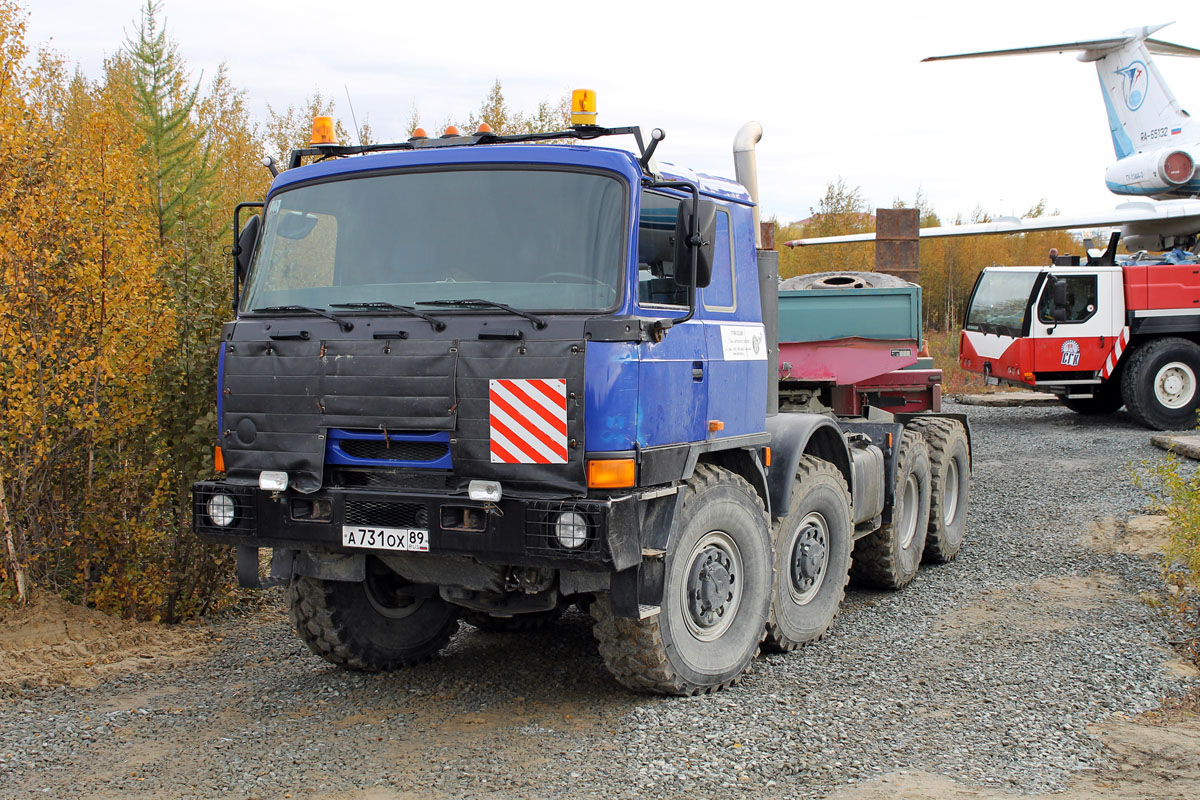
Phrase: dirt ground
[54,643]
[1154,756]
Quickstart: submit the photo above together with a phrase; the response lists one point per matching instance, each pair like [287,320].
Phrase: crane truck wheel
[950,486]
[889,557]
[812,556]
[716,593]
[376,625]
[1160,384]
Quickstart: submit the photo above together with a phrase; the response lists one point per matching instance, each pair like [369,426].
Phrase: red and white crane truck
[1099,336]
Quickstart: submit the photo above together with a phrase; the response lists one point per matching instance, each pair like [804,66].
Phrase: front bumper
[515,531]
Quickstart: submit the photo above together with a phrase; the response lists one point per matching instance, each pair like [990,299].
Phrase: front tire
[889,557]
[716,594]
[1160,384]
[812,557]
[374,625]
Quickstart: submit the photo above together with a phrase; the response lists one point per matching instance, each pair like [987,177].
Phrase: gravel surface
[988,670]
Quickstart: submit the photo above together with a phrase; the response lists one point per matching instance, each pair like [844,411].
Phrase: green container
[821,315]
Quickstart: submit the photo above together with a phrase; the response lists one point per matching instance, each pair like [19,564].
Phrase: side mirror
[690,227]
[246,241]
[1060,300]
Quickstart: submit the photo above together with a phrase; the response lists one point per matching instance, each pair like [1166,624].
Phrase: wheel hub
[1175,385]
[810,558]
[709,586]
[908,519]
[950,493]
[385,592]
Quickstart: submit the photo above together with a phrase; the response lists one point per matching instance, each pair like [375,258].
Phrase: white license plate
[990,381]
[385,538]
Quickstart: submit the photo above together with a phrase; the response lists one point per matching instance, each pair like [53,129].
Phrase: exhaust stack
[745,168]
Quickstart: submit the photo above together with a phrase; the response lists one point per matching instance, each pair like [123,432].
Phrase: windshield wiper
[345,324]
[538,322]
[380,305]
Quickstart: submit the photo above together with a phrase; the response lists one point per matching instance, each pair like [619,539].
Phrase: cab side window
[1082,296]
[721,293]
[656,252]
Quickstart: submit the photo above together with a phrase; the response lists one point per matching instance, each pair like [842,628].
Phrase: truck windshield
[528,238]
[1000,300]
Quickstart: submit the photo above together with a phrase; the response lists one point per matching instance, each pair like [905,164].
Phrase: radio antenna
[357,130]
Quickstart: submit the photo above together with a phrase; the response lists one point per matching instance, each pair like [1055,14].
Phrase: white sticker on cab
[743,343]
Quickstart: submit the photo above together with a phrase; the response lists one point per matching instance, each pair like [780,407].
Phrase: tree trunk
[14,558]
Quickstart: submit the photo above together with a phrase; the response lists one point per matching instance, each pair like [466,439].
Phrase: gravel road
[989,671]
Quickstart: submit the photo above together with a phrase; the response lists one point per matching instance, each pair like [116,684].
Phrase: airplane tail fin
[1140,106]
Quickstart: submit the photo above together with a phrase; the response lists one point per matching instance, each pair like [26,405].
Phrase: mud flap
[637,592]
[247,568]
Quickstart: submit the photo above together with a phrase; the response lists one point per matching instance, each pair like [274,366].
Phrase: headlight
[221,510]
[571,530]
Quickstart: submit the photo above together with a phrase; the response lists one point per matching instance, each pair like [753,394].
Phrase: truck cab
[1098,336]
[1016,333]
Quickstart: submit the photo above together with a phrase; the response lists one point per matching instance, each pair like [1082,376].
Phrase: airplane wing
[1168,216]
[1092,48]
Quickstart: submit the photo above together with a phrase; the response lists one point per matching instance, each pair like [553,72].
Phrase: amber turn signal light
[218,459]
[611,473]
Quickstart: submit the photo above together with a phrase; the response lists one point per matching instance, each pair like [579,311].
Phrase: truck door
[673,373]
[1095,313]
[737,342]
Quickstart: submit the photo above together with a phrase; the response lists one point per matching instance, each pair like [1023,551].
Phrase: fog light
[485,491]
[571,530]
[271,481]
[221,510]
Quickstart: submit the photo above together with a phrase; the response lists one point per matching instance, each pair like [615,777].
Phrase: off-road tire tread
[312,615]
[775,641]
[938,432]
[873,562]
[633,649]
[1140,404]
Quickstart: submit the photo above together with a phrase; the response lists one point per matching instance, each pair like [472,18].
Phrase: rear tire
[812,557]
[1160,384]
[716,592]
[950,486]
[373,625]
[889,557]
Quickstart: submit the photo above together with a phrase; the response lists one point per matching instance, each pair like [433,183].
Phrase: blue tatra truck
[485,377]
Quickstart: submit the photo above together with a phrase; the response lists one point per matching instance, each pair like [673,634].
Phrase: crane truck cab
[1099,337]
[489,376]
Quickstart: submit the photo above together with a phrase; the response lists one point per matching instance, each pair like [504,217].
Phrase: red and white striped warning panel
[1119,346]
[528,420]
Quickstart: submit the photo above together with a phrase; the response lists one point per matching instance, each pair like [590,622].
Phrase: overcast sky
[837,86]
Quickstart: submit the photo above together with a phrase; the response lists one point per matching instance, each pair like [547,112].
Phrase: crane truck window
[1082,295]
[538,239]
